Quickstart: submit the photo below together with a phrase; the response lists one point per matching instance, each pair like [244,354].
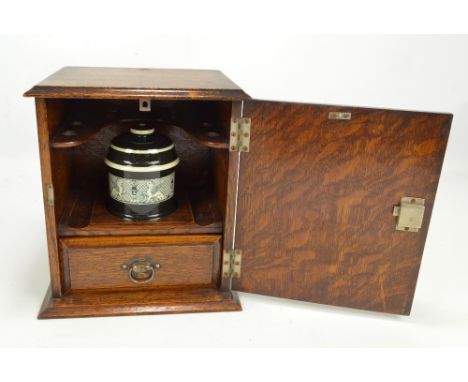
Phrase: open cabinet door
[317,191]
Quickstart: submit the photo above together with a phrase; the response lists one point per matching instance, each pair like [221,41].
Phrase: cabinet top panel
[88,82]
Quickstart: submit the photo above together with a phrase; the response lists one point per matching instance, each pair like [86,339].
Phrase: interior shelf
[208,135]
[74,132]
[86,215]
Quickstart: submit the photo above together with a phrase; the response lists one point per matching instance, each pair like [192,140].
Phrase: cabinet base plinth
[99,303]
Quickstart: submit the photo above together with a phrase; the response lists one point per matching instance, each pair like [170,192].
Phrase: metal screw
[244,148]
[233,148]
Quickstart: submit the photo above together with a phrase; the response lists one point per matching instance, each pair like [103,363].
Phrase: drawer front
[136,261]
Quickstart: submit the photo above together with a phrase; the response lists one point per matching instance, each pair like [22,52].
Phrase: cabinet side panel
[47,180]
[316,196]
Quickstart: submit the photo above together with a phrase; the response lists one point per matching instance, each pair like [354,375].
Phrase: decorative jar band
[141,191]
[149,151]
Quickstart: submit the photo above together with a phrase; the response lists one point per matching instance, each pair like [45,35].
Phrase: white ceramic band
[149,151]
[154,168]
[142,132]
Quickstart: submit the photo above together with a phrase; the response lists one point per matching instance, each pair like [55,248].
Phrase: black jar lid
[141,150]
[142,139]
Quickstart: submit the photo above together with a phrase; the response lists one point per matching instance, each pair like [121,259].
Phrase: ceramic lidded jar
[141,166]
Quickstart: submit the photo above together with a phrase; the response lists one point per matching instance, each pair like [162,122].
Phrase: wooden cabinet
[327,204]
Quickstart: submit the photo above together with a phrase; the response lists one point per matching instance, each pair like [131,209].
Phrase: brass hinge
[50,194]
[239,139]
[232,263]
[410,214]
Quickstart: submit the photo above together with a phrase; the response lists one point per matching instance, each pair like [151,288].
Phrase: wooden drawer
[140,261]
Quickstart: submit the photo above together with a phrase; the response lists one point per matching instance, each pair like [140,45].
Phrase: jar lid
[141,150]
[142,139]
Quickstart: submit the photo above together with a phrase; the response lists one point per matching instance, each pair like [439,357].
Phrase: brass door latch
[410,214]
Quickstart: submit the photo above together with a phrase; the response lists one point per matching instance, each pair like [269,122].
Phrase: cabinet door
[316,198]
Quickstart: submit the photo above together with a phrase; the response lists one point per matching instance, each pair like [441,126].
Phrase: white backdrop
[407,72]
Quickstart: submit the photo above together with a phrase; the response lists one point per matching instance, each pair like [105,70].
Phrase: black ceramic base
[141,212]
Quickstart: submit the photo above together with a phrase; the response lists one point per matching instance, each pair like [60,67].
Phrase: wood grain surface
[107,83]
[130,302]
[316,197]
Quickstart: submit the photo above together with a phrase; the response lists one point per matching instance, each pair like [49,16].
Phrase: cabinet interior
[80,132]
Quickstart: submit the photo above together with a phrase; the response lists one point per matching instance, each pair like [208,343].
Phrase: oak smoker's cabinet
[327,204]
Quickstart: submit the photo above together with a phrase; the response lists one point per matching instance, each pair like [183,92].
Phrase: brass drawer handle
[141,271]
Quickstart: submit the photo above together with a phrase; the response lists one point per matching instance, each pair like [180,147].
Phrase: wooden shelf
[208,135]
[74,132]
[86,215]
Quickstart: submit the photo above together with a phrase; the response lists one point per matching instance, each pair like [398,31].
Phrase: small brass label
[339,115]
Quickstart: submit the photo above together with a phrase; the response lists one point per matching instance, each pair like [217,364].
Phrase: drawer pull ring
[141,271]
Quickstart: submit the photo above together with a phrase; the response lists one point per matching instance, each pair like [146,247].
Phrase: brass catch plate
[410,214]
